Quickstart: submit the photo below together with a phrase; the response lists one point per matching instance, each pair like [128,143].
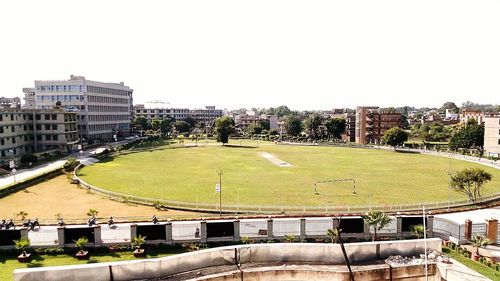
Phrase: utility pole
[219,172]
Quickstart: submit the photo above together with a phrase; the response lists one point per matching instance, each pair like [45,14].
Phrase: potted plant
[478,241]
[80,243]
[22,245]
[418,230]
[136,244]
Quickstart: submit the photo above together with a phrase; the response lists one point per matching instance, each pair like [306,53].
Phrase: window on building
[1,129]
[47,127]
[55,137]
[47,116]
[13,129]
[12,117]
[1,117]
[2,142]
[54,116]
[38,117]
[13,139]
[54,127]
[498,141]
[38,127]
[39,137]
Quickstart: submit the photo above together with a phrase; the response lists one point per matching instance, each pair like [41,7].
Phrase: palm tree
[80,243]
[377,220]
[479,241]
[136,244]
[335,236]
[21,245]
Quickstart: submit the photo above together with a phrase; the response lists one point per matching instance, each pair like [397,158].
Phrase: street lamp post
[219,172]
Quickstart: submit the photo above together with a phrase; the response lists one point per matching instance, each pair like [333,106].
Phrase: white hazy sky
[232,54]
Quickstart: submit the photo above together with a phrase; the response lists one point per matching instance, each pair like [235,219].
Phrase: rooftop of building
[82,79]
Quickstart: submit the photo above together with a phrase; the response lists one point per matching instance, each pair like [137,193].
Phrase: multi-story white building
[206,115]
[492,135]
[104,109]
[31,131]
[160,112]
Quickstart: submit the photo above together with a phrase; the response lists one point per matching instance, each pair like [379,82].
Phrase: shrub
[26,158]
[191,247]
[70,164]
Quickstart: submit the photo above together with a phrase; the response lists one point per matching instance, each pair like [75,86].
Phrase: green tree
[166,124]
[224,127]
[335,127]
[181,126]
[377,220]
[467,137]
[395,136]
[191,121]
[155,124]
[141,123]
[470,182]
[254,129]
[449,105]
[282,110]
[312,125]
[293,125]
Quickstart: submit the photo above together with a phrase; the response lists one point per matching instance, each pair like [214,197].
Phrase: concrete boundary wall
[252,253]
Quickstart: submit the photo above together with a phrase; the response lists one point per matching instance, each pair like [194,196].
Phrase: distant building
[104,109]
[492,135]
[34,131]
[466,115]
[243,121]
[350,118]
[206,115]
[160,112]
[372,124]
[350,129]
[6,103]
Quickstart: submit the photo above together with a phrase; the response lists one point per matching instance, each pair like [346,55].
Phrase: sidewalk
[25,174]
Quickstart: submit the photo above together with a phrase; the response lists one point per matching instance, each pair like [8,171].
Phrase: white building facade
[492,135]
[104,109]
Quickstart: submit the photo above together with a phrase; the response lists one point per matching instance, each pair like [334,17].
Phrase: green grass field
[189,174]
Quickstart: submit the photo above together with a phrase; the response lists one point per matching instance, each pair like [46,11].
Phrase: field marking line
[275,160]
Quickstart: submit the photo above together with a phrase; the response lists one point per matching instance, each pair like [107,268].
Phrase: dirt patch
[57,195]
[275,160]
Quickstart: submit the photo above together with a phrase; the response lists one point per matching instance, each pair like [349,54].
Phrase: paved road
[24,174]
